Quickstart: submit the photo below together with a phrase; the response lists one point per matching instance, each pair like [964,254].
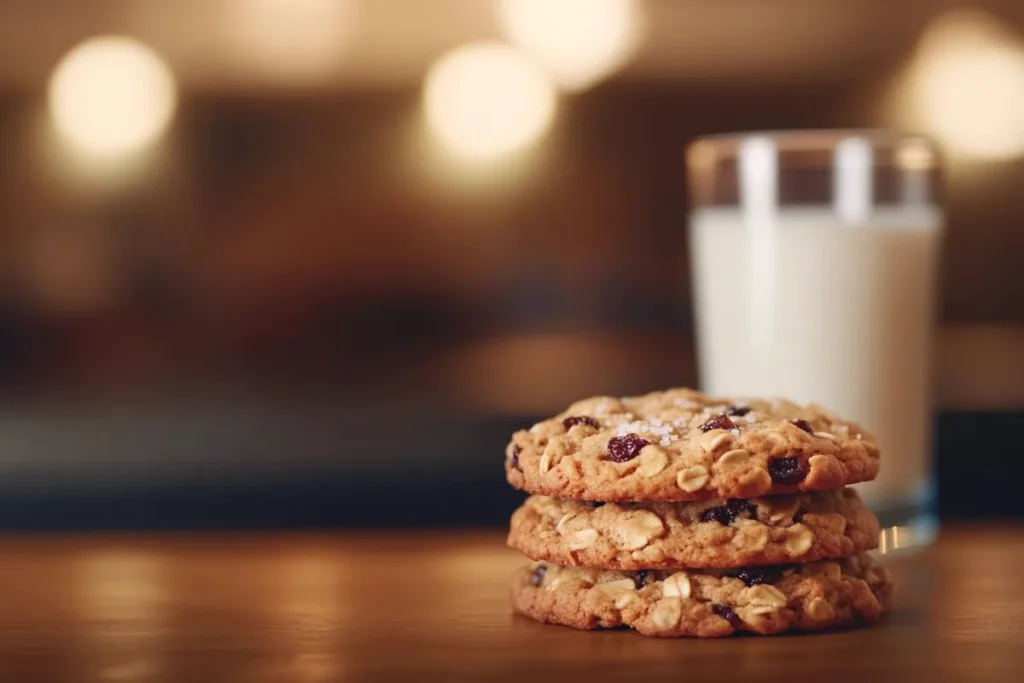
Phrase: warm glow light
[485,99]
[968,87]
[111,95]
[291,40]
[579,42]
[124,598]
[915,155]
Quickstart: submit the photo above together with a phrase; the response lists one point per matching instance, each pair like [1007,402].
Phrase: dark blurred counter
[331,467]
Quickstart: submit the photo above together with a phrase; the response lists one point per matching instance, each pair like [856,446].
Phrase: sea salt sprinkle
[637,427]
[711,411]
[663,433]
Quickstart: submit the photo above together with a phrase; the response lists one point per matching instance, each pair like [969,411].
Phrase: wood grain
[434,606]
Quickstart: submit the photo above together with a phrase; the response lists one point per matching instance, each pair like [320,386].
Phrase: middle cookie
[715,533]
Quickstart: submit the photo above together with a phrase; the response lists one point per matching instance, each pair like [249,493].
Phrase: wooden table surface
[433,606]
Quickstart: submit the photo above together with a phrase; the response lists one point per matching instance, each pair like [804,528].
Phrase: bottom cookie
[706,603]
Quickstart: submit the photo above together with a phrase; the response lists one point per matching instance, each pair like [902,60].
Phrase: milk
[803,305]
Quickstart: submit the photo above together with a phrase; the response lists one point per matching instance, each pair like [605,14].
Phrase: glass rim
[816,139]
[815,147]
[874,165]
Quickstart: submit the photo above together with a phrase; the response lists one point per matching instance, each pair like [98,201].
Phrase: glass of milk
[815,257]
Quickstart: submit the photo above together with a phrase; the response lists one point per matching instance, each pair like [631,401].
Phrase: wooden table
[433,606]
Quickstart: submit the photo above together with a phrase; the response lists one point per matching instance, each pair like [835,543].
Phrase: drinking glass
[814,258]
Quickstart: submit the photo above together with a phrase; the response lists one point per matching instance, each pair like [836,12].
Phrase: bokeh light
[915,155]
[111,95]
[289,40]
[579,42]
[485,100]
[967,87]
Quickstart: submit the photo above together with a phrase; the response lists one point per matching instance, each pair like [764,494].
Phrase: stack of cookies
[678,514]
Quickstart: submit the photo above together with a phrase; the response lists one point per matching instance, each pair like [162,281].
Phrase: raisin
[641,578]
[738,411]
[625,448]
[514,458]
[753,576]
[538,574]
[571,422]
[727,614]
[786,471]
[718,422]
[726,514]
[803,424]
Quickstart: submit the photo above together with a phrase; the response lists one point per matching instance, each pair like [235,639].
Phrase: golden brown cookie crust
[630,536]
[809,597]
[697,447]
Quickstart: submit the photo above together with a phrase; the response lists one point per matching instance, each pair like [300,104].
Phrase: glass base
[909,524]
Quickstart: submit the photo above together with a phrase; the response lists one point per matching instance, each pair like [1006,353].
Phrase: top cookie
[680,445]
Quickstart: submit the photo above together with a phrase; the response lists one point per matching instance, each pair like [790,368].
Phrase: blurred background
[310,262]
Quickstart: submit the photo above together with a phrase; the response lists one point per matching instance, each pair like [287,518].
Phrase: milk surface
[811,308]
